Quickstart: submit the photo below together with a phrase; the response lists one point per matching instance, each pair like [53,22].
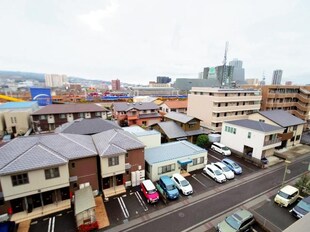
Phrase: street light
[287,162]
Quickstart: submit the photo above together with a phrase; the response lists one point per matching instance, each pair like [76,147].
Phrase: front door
[36,200]
[47,197]
[17,205]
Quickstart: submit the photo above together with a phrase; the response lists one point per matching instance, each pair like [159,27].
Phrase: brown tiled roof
[176,104]
[69,108]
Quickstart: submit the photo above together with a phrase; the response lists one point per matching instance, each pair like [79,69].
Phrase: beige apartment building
[213,106]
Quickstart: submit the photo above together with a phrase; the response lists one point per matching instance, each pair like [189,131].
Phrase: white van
[286,196]
[221,148]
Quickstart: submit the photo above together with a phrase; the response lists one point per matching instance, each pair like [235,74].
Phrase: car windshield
[225,148]
[217,172]
[235,165]
[170,187]
[233,222]
[304,205]
[151,191]
[283,194]
[184,183]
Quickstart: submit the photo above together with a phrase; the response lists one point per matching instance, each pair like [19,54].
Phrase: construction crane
[224,80]
[13,99]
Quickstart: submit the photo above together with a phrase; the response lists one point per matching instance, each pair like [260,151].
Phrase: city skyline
[136,41]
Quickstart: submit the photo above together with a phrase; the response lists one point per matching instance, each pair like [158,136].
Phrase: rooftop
[282,118]
[123,106]
[176,104]
[16,105]
[255,125]
[179,117]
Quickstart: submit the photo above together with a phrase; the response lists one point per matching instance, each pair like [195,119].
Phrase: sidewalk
[293,152]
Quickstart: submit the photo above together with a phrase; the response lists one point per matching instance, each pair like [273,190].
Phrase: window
[42,117]
[197,161]
[113,161]
[293,138]
[20,179]
[98,114]
[297,137]
[295,128]
[51,173]
[81,115]
[62,116]
[73,165]
[249,135]
[165,169]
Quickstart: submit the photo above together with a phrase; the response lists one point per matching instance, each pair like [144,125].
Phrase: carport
[84,206]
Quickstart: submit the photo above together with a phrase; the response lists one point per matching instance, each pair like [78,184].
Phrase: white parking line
[51,224]
[123,207]
[141,201]
[198,180]
[214,157]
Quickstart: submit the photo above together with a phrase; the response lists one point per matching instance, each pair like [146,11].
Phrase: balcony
[303,107]
[270,142]
[280,104]
[236,99]
[228,118]
[239,108]
[132,117]
[286,136]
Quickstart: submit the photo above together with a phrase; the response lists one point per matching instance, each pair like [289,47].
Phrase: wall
[152,140]
[136,159]
[37,182]
[21,121]
[107,171]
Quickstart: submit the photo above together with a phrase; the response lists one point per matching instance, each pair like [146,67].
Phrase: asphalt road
[192,215]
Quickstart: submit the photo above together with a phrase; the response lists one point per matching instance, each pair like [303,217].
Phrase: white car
[182,184]
[229,174]
[215,173]
[221,148]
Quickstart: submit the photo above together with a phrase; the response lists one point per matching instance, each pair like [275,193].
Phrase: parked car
[229,174]
[286,195]
[215,173]
[149,191]
[168,187]
[302,208]
[220,148]
[232,165]
[241,220]
[182,184]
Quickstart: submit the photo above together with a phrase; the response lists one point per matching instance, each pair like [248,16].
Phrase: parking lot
[133,204]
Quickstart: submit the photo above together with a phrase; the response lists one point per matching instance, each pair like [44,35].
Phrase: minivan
[149,190]
[286,196]
[168,187]
[221,148]
[302,208]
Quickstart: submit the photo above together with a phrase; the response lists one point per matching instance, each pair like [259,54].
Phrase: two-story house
[293,126]
[174,106]
[52,116]
[251,139]
[140,113]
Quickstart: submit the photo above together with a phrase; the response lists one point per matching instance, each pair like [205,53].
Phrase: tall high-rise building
[116,85]
[238,74]
[276,77]
[55,80]
[217,72]
[163,80]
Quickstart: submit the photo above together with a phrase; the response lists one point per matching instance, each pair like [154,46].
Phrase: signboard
[41,95]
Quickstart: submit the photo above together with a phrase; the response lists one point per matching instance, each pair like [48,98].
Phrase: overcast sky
[137,40]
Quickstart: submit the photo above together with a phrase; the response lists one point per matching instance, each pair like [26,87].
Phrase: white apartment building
[213,106]
[55,80]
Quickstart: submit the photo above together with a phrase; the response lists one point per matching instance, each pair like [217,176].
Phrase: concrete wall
[107,171]
[37,183]
[18,119]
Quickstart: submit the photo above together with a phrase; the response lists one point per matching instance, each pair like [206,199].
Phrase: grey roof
[67,146]
[171,151]
[172,130]
[85,126]
[153,115]
[282,118]
[187,83]
[83,200]
[115,141]
[196,132]
[180,117]
[255,125]
[123,106]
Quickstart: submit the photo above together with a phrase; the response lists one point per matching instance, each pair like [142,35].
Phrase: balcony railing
[286,136]
[132,117]
[269,142]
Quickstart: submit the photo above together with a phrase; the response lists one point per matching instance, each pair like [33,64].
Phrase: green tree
[303,184]
[202,141]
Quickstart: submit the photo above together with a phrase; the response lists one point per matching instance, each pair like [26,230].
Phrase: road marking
[198,180]
[141,201]
[53,225]
[49,224]
[214,157]
[123,207]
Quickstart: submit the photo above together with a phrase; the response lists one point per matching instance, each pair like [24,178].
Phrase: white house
[173,157]
[150,138]
[251,138]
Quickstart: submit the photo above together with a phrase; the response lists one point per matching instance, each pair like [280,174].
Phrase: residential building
[55,80]
[52,116]
[253,140]
[238,73]
[277,77]
[162,79]
[293,126]
[116,85]
[150,138]
[121,160]
[174,157]
[38,174]
[178,126]
[179,106]
[213,106]
[141,114]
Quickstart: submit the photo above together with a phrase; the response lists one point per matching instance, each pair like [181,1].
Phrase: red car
[149,190]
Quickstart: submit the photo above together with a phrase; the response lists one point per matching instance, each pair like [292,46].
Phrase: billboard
[41,95]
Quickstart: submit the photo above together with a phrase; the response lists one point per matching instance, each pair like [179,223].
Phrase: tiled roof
[180,117]
[172,130]
[176,104]
[152,115]
[282,118]
[171,151]
[66,146]
[255,125]
[69,108]
[123,106]
[115,141]
[85,126]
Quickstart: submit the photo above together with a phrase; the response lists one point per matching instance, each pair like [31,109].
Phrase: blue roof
[171,151]
[16,105]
